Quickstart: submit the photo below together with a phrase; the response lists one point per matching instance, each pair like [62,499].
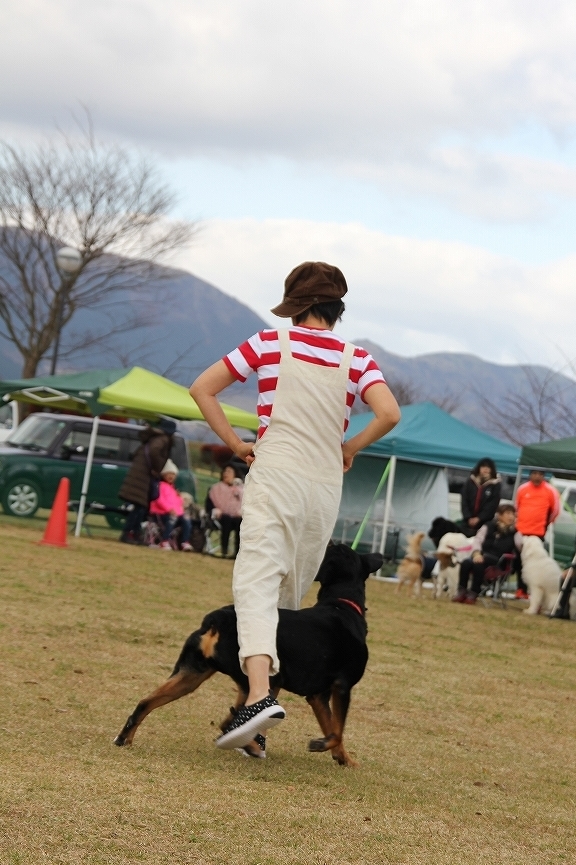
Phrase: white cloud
[409,296]
[371,87]
[493,186]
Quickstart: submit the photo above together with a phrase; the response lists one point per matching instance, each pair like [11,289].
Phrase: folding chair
[212,534]
[495,579]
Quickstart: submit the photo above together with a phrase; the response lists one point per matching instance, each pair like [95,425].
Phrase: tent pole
[551,540]
[517,482]
[360,532]
[387,506]
[86,478]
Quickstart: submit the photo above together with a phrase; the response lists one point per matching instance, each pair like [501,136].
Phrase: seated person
[168,508]
[224,504]
[492,541]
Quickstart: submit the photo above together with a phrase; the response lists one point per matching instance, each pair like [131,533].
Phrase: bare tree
[448,401]
[146,356]
[544,409]
[404,390]
[408,393]
[99,199]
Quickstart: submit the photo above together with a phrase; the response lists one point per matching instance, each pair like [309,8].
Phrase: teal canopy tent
[427,434]
[425,442]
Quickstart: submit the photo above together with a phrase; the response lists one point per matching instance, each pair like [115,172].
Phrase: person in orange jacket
[537,505]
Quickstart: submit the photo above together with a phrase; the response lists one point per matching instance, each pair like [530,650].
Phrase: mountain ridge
[191,323]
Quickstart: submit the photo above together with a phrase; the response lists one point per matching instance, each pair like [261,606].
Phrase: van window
[6,416]
[37,432]
[107,446]
[571,499]
[131,445]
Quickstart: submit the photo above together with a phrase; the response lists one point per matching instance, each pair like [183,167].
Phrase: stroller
[153,533]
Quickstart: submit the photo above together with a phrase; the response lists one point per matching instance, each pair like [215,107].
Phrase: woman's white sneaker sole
[264,720]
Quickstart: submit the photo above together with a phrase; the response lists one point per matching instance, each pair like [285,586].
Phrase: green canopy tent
[134,393]
[558,456]
[425,442]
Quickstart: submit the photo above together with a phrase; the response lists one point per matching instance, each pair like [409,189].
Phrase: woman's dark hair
[229,466]
[330,311]
[486,461]
[502,509]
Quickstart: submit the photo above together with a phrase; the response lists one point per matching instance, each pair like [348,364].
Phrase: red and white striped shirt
[261,354]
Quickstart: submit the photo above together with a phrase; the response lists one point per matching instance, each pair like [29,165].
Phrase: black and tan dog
[322,652]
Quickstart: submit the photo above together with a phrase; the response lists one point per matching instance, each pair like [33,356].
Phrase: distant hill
[191,323]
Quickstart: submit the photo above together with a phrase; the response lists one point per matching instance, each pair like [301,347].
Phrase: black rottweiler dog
[322,652]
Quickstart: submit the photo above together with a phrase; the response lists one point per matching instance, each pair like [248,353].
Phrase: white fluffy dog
[541,574]
[453,548]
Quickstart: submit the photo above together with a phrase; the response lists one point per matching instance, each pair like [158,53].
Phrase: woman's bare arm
[387,414]
[204,391]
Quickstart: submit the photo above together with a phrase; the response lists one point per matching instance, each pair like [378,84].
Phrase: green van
[47,447]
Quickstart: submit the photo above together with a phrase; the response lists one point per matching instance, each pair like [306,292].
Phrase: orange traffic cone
[57,525]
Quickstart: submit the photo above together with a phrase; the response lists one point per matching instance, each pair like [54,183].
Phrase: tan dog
[453,548]
[410,568]
[541,574]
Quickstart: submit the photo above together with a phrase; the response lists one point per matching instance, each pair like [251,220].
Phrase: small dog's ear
[372,562]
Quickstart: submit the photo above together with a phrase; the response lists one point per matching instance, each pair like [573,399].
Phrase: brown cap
[310,283]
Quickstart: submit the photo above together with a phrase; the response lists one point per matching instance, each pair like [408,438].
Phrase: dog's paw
[318,745]
[343,759]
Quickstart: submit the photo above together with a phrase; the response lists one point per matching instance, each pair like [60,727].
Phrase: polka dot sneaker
[249,721]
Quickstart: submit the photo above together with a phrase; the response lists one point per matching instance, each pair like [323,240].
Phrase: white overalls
[291,497]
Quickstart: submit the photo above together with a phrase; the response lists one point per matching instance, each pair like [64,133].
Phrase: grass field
[464,727]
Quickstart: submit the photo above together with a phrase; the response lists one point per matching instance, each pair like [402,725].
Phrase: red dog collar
[352,604]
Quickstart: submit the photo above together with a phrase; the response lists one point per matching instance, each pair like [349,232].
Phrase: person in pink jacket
[169,509]
[224,504]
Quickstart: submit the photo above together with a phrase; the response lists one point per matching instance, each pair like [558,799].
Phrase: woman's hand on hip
[347,458]
[245,452]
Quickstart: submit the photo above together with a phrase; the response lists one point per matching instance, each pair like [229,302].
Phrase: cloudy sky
[427,147]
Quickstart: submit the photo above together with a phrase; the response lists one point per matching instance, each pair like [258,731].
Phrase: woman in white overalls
[293,489]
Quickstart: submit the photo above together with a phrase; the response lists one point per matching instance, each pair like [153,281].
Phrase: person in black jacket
[480,496]
[492,541]
[147,463]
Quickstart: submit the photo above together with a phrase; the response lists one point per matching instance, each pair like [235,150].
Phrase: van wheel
[21,499]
